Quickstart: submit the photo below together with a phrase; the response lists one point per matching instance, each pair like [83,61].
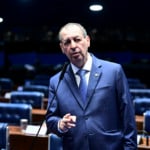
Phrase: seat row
[7,85]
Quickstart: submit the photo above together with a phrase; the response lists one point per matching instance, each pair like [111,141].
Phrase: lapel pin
[96,74]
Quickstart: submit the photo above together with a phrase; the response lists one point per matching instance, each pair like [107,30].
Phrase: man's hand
[68,121]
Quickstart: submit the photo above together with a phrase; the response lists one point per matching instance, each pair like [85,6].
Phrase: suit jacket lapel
[93,81]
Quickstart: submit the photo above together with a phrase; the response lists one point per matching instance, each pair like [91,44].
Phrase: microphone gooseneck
[63,71]
[60,78]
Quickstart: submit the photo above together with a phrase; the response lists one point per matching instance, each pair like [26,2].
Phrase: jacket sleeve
[127,111]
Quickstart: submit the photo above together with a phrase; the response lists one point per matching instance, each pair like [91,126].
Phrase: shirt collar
[87,65]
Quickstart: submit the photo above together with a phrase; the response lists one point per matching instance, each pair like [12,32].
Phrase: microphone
[63,71]
[60,78]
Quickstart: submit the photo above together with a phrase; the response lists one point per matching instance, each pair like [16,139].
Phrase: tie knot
[81,72]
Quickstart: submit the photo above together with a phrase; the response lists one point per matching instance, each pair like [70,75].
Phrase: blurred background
[120,32]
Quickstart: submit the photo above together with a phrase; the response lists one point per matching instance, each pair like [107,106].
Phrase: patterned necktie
[83,84]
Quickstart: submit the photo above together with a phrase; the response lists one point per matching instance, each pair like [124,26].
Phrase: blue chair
[35,99]
[39,88]
[135,83]
[141,105]
[41,79]
[4,139]
[12,113]
[54,142]
[146,123]
[140,93]
[146,126]
[6,85]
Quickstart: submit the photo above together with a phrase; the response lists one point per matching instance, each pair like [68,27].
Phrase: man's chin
[77,58]
[77,62]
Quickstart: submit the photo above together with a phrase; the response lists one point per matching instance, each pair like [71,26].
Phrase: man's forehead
[71,32]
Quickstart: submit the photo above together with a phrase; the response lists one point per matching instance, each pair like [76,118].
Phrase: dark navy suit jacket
[106,121]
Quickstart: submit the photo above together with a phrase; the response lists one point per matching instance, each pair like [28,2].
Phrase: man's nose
[73,44]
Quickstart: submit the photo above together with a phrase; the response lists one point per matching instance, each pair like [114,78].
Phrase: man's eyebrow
[72,38]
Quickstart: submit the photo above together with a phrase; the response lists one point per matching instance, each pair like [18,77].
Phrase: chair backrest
[54,142]
[38,88]
[12,113]
[41,79]
[140,93]
[135,83]
[6,85]
[146,123]
[35,99]
[141,105]
[4,142]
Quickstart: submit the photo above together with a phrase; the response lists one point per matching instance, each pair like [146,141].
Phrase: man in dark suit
[105,119]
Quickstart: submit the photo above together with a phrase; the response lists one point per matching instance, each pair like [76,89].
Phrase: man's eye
[67,42]
[77,40]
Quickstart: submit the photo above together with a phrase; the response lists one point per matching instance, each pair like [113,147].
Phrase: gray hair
[69,25]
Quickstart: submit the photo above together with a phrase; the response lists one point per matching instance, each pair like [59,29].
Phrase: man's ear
[88,40]
[61,46]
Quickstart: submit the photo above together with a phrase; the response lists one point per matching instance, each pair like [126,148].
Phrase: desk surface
[39,111]
[6,100]
[22,141]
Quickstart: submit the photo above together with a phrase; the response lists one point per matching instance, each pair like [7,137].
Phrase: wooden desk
[4,100]
[38,115]
[21,141]
[139,122]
